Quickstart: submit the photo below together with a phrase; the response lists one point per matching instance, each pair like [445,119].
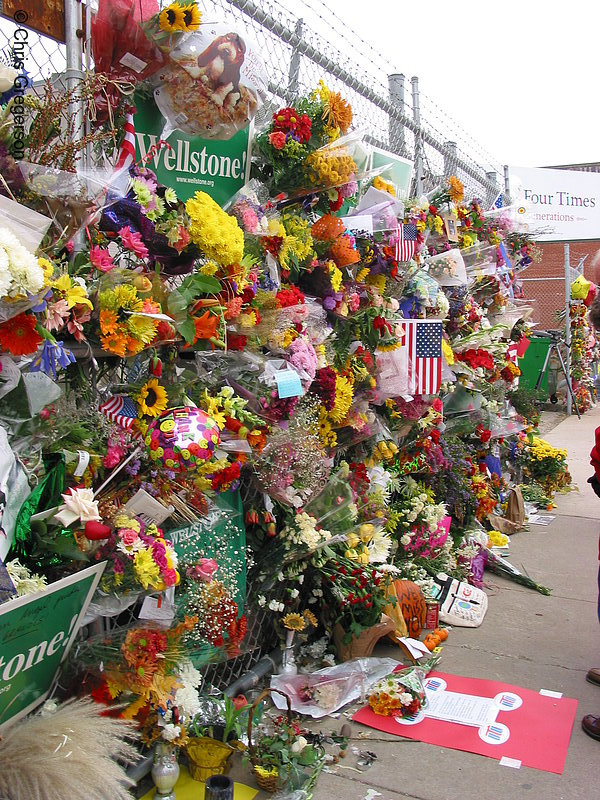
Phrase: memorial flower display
[258,416]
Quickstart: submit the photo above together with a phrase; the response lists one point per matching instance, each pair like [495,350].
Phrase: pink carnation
[128,536]
[113,456]
[133,241]
[169,577]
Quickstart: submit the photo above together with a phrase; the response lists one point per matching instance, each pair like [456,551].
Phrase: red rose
[277,139]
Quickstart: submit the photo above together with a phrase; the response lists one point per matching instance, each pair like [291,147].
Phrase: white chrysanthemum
[5,276]
[27,277]
[189,675]
[187,701]
[170,732]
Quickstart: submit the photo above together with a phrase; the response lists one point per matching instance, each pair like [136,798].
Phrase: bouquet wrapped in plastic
[213,85]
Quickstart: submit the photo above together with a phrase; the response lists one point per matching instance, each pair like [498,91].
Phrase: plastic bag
[325,691]
[69,198]
[448,268]
[120,47]
[26,224]
[214,84]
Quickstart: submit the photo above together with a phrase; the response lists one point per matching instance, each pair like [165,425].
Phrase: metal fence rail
[390,109]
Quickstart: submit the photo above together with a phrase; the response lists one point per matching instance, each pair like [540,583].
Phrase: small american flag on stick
[121,410]
[407,242]
[423,338]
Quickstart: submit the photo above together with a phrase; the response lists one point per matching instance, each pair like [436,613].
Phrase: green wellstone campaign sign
[36,634]
[221,535]
[192,164]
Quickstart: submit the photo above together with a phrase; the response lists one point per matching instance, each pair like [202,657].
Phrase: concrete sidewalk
[527,639]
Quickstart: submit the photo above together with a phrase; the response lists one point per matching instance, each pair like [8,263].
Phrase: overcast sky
[521,76]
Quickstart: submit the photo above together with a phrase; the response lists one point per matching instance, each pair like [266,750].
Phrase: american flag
[498,203]
[120,409]
[423,338]
[407,242]
[127,150]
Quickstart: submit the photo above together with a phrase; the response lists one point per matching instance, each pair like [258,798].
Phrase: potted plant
[281,753]
[214,735]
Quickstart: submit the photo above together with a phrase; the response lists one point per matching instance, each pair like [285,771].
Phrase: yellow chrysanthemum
[152,399]
[145,569]
[214,231]
[142,328]
[456,189]
[344,393]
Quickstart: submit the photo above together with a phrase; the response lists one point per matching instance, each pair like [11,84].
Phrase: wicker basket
[269,783]
[208,757]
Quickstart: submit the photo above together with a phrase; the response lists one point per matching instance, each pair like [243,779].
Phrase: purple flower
[52,356]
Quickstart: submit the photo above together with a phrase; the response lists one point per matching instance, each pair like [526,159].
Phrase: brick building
[543,283]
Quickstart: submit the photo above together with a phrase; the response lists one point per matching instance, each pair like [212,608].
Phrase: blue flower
[53,355]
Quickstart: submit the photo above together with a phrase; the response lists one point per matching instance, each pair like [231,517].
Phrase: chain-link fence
[391,110]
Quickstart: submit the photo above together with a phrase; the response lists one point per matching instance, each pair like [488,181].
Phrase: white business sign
[557,204]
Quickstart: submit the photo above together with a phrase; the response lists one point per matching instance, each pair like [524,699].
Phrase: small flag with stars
[423,338]
[498,202]
[121,410]
[407,242]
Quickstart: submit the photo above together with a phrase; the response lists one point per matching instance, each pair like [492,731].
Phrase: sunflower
[294,622]
[310,617]
[172,19]
[338,112]
[192,17]
[152,399]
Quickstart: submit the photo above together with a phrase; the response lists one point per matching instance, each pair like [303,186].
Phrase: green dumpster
[531,364]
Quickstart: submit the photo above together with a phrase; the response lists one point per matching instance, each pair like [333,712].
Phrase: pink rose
[277,139]
[133,241]
[203,570]
[129,537]
[101,259]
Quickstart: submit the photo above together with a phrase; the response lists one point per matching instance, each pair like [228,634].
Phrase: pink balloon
[182,439]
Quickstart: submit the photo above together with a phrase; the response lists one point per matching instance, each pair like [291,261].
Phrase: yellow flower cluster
[214,231]
[335,276]
[327,436]
[332,167]
[384,186]
[541,449]
[344,394]
[497,539]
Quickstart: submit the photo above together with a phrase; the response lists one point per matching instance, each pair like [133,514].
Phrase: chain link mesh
[296,57]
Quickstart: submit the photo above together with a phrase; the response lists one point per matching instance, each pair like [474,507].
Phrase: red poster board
[531,728]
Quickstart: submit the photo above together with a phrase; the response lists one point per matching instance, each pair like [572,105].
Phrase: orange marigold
[338,112]
[115,343]
[108,322]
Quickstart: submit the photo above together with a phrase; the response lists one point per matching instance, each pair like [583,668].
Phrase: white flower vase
[165,770]
[288,662]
